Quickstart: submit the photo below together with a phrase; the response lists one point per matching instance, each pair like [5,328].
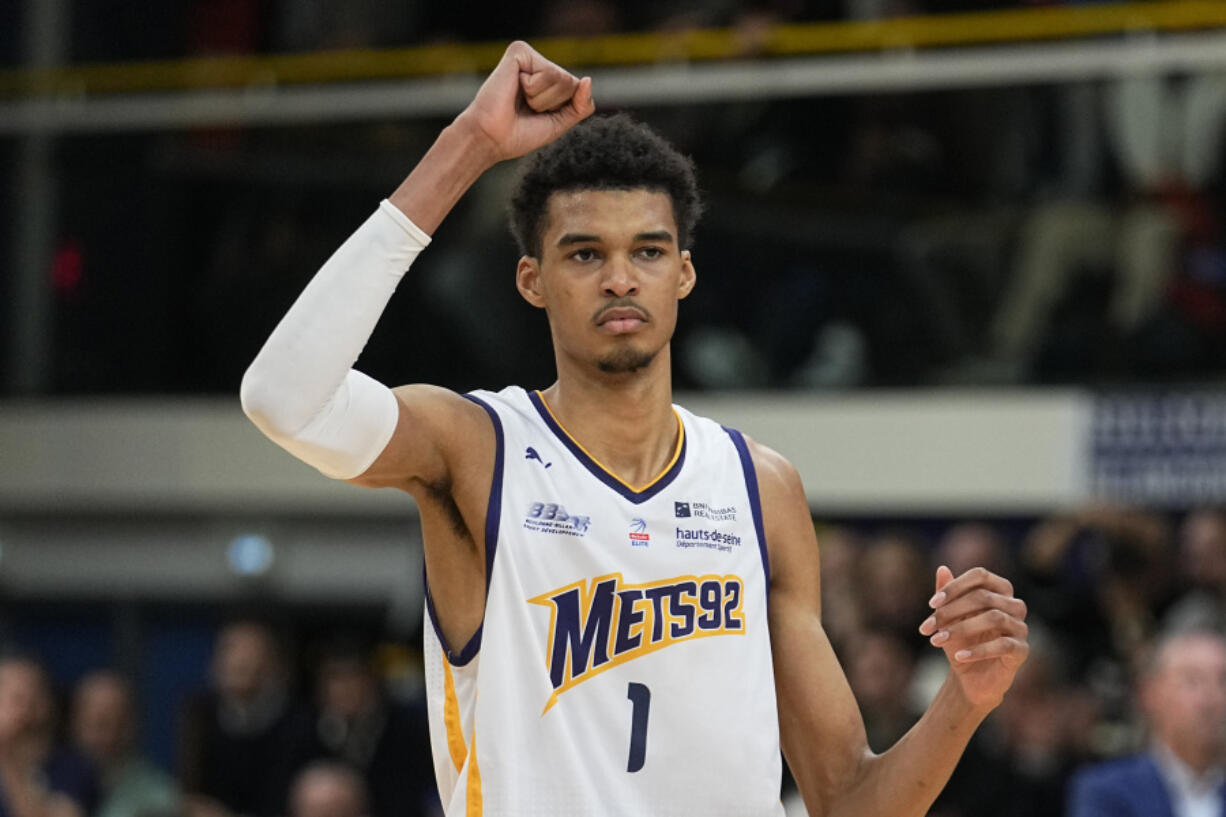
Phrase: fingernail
[937,600]
[940,638]
[929,625]
[962,655]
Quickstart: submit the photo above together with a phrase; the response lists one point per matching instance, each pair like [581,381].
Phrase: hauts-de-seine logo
[704,510]
[707,538]
[639,537]
[550,517]
[598,624]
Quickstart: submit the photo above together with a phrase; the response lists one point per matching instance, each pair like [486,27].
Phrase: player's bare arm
[525,103]
[301,390]
[976,621]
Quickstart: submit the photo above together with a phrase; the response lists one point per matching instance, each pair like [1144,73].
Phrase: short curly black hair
[604,153]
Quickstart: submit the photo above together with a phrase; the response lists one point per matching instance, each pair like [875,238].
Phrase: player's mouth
[619,320]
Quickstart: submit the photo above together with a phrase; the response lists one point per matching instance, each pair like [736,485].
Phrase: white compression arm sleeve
[301,390]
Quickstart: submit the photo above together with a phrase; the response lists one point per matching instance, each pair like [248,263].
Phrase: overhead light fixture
[251,555]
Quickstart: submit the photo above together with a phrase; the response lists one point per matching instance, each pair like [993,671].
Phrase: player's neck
[624,421]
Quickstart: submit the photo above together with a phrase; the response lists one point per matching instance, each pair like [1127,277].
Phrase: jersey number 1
[640,698]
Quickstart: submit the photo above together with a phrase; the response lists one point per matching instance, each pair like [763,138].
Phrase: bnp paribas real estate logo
[639,537]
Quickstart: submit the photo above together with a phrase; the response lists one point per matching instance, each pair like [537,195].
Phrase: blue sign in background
[1160,449]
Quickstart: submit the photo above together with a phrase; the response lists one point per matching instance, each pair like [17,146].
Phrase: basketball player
[623,597]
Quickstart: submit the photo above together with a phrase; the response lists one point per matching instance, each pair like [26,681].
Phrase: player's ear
[688,276]
[528,281]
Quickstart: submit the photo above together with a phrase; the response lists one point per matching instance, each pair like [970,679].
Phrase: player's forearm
[308,355]
[301,390]
[452,165]
[905,780]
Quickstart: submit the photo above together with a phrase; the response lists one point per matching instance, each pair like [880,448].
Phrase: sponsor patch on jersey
[639,537]
[707,538]
[550,517]
[704,510]
[598,624]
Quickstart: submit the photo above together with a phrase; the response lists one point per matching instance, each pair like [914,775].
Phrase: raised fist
[527,102]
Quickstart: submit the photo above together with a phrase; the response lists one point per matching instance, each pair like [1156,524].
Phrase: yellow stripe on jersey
[609,471]
[472,805]
[451,718]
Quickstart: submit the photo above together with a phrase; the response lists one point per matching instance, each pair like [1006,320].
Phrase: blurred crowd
[1104,585]
[1027,234]
[249,744]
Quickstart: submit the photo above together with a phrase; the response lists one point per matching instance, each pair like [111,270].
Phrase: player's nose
[620,279]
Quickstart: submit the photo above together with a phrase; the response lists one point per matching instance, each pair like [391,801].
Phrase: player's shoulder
[769,464]
[452,420]
[426,401]
[426,398]
[777,476]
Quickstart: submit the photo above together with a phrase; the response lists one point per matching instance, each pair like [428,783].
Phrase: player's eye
[651,253]
[584,255]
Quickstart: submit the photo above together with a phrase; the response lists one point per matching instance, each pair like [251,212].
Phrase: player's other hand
[526,102]
[981,626]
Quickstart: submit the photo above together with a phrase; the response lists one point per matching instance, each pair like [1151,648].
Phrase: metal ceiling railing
[1052,44]
[702,45]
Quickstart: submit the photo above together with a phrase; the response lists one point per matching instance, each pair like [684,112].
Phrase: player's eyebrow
[567,239]
[577,238]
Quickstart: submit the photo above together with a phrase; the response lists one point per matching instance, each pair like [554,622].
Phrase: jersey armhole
[493,515]
[755,500]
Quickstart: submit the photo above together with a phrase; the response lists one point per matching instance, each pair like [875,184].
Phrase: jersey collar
[636,495]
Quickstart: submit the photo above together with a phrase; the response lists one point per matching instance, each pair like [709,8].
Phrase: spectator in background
[38,778]
[1183,698]
[386,741]
[246,737]
[1160,240]
[326,789]
[973,543]
[1099,575]
[894,585]
[103,728]
[1202,573]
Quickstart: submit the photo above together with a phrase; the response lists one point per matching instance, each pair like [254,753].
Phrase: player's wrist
[472,142]
[963,706]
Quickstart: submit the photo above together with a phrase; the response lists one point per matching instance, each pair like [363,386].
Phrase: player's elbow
[258,394]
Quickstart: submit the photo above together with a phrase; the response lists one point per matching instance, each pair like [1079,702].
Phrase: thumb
[581,105]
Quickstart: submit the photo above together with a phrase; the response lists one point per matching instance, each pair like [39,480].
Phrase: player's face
[609,276]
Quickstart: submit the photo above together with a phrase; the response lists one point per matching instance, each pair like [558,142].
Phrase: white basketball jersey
[624,663]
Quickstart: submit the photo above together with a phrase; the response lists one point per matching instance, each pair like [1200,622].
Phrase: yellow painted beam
[932,31]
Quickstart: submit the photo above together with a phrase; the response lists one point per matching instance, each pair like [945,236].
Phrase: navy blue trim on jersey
[493,511]
[755,500]
[598,471]
[456,659]
[493,515]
